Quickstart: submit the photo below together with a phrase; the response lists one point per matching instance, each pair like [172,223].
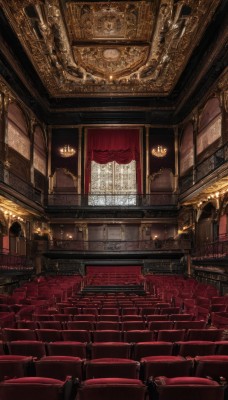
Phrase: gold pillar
[49,136]
[147,160]
[176,152]
[189,264]
[80,161]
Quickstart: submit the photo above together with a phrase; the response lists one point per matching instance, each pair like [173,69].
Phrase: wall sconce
[159,151]
[67,151]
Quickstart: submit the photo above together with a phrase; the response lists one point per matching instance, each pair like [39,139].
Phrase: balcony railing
[14,263]
[207,166]
[96,246]
[112,200]
[19,185]
[215,250]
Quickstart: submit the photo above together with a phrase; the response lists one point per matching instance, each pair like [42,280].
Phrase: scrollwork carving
[77,48]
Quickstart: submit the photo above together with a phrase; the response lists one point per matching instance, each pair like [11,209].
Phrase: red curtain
[106,145]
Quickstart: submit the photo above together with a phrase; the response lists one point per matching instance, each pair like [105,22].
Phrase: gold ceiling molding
[120,47]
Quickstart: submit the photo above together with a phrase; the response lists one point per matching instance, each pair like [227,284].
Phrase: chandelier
[159,151]
[67,151]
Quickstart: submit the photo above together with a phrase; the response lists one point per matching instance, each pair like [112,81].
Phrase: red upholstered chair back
[59,367]
[111,367]
[112,389]
[188,388]
[34,388]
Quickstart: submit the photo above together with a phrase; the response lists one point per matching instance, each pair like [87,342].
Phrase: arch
[64,181]
[186,148]
[40,152]
[162,181]
[17,239]
[210,125]
[18,133]
[207,226]
[210,111]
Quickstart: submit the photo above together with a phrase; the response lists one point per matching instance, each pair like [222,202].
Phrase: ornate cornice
[121,48]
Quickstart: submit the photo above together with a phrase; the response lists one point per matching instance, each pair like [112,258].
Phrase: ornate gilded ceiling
[128,48]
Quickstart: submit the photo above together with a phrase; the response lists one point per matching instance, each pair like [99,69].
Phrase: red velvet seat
[181,317]
[160,325]
[76,335]
[222,347]
[204,334]
[27,348]
[84,325]
[169,310]
[195,348]
[101,325]
[84,317]
[108,318]
[111,367]
[215,366]
[59,367]
[63,317]
[171,335]
[107,335]
[10,334]
[50,325]
[133,325]
[189,324]
[110,349]
[27,325]
[157,317]
[145,349]
[188,388]
[67,348]
[112,389]
[48,335]
[32,388]
[132,317]
[169,366]
[12,366]
[109,311]
[135,336]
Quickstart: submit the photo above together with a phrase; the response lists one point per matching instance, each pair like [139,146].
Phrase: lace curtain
[113,184]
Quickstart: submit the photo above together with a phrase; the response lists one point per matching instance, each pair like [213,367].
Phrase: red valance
[108,144]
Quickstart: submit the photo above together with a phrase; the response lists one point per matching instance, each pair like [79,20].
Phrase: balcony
[11,264]
[214,251]
[17,186]
[116,247]
[72,200]
[214,162]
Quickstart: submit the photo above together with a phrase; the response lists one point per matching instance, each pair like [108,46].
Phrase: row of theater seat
[111,318]
[59,367]
[113,349]
[113,378]
[112,335]
[179,388]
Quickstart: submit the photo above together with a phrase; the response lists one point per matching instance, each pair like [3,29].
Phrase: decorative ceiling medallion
[102,62]
[76,46]
[111,54]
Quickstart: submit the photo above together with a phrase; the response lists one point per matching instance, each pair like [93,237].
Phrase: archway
[207,227]
[16,239]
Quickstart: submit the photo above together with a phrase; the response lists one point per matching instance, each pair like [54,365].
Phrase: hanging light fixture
[159,151]
[67,151]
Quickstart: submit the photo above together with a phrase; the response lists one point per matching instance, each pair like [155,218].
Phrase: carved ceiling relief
[76,47]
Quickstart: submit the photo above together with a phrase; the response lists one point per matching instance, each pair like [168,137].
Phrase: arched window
[18,138]
[186,149]
[39,151]
[210,125]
